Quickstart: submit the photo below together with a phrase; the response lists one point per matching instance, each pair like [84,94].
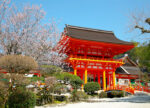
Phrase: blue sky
[100,14]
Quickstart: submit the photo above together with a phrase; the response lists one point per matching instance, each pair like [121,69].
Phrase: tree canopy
[141,55]
[23,32]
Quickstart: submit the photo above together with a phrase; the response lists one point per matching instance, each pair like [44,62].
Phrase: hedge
[91,87]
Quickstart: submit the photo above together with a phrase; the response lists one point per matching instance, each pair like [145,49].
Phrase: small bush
[113,94]
[103,95]
[61,98]
[91,87]
[120,94]
[74,80]
[17,63]
[59,88]
[49,70]
[82,95]
[78,96]
[1,102]
[21,99]
[43,97]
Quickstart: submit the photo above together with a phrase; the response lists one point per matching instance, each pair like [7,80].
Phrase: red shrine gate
[90,53]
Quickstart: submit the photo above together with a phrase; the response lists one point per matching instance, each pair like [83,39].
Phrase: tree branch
[142,29]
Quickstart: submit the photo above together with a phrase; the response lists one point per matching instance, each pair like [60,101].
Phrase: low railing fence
[121,87]
[129,89]
[142,88]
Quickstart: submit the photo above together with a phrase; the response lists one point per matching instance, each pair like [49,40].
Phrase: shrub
[120,94]
[59,88]
[113,94]
[49,70]
[50,81]
[3,92]
[65,76]
[1,102]
[60,98]
[82,95]
[17,63]
[21,99]
[35,79]
[44,97]
[91,87]
[74,80]
[78,95]
[103,95]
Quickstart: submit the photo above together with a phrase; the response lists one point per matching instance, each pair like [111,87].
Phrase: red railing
[142,88]
[120,87]
[129,88]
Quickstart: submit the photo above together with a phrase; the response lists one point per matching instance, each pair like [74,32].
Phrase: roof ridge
[127,58]
[91,29]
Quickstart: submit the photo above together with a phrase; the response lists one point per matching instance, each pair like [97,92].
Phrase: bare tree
[142,28]
[50,81]
[140,20]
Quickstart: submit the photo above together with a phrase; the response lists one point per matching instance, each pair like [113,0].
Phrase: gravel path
[139,100]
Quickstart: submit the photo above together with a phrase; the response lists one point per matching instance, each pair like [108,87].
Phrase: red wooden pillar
[114,79]
[82,75]
[108,79]
[111,80]
[85,74]
[104,76]
[75,68]
[99,80]
[75,71]
[94,76]
[104,80]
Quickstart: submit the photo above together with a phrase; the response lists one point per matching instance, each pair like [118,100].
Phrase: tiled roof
[93,35]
